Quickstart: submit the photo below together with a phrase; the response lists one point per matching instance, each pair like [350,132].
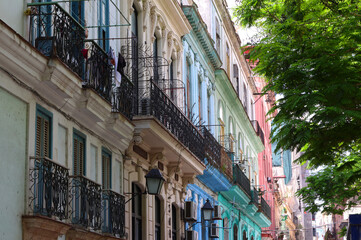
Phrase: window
[221,125]
[208,109]
[188,89]
[245,97]
[218,37]
[106,169]
[174,222]
[103,22]
[134,42]
[155,60]
[235,232]
[157,227]
[228,63]
[136,213]
[225,229]
[79,154]
[200,100]
[236,78]
[244,235]
[77,11]
[43,138]
[171,79]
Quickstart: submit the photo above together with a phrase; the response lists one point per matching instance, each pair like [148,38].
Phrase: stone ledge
[40,227]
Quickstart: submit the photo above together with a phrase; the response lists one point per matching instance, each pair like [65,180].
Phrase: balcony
[265,208]
[255,197]
[113,213]
[241,179]
[48,188]
[226,163]
[85,202]
[153,101]
[212,149]
[55,33]
[258,130]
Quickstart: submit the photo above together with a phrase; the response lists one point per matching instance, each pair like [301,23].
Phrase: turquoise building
[217,107]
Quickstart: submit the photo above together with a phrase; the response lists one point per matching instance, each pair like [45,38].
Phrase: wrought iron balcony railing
[156,103]
[226,163]
[255,197]
[123,98]
[241,179]
[266,209]
[258,130]
[212,149]
[48,188]
[98,70]
[56,34]
[113,213]
[85,202]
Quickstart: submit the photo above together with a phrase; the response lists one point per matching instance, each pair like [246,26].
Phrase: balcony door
[77,12]
[136,213]
[103,24]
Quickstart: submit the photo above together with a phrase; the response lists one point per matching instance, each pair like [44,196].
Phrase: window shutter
[106,172]
[76,161]
[46,135]
[38,136]
[81,158]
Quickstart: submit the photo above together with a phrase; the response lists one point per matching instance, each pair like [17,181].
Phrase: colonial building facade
[96,94]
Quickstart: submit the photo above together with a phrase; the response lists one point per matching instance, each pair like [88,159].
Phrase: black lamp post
[154,181]
[207,210]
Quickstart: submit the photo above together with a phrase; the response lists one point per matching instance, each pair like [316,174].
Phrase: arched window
[174,222]
[235,232]
[244,235]
[155,60]
[157,215]
[134,43]
[221,124]
[172,87]
[225,229]
[231,136]
[188,75]
[136,213]
[200,100]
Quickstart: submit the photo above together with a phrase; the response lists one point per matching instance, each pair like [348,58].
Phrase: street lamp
[207,210]
[154,181]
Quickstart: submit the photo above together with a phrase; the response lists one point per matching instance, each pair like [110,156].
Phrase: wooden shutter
[42,138]
[79,155]
[106,171]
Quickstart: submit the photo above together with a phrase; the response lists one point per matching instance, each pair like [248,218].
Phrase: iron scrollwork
[113,213]
[85,202]
[48,188]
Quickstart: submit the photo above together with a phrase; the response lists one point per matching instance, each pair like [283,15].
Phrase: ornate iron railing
[212,149]
[98,70]
[113,213]
[266,209]
[241,179]
[156,103]
[123,98]
[56,34]
[226,163]
[48,188]
[85,202]
[258,130]
[255,197]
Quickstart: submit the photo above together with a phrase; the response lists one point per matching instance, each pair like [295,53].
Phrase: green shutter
[79,154]
[43,133]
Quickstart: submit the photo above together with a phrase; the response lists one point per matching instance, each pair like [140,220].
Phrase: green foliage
[309,52]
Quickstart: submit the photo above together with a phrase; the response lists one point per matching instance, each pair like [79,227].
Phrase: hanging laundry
[118,76]
[121,64]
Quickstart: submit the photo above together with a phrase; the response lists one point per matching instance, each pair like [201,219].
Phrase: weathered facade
[95,94]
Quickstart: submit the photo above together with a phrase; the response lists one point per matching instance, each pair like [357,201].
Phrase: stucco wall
[13,119]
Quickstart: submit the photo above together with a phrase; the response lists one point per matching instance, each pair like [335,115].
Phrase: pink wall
[265,157]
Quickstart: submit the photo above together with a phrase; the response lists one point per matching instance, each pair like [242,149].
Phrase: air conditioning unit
[217,212]
[190,211]
[214,231]
[191,235]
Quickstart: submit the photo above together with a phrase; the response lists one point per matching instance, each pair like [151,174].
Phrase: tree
[309,52]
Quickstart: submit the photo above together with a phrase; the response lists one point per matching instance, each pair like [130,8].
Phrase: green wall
[13,122]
